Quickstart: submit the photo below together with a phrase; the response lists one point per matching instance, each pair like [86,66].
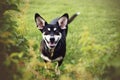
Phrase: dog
[53,44]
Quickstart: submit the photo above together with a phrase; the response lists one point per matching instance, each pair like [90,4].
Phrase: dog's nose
[52,40]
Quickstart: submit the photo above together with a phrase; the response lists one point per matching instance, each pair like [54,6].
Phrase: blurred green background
[93,40]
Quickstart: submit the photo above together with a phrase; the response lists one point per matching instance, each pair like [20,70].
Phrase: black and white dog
[53,45]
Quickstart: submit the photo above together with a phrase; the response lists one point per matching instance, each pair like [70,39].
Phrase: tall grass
[93,40]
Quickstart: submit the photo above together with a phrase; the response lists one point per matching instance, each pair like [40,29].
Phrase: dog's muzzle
[51,41]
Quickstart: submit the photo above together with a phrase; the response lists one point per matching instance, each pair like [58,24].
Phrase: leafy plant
[12,45]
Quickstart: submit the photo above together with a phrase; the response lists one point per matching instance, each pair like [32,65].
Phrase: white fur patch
[58,37]
[78,13]
[48,29]
[47,59]
[58,58]
[55,29]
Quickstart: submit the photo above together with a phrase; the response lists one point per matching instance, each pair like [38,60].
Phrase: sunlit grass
[90,37]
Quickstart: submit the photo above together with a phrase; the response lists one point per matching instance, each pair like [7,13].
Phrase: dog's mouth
[52,41]
[52,44]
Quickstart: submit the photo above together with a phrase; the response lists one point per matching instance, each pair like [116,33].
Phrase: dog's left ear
[40,22]
[63,21]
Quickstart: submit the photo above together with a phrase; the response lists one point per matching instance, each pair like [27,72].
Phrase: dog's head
[52,33]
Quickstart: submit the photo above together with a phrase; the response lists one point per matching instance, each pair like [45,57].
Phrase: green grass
[92,36]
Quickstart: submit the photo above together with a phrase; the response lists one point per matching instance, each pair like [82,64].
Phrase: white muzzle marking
[47,40]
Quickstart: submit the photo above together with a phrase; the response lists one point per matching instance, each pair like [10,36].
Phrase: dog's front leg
[57,70]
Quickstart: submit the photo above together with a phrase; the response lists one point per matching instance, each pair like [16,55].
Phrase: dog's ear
[40,22]
[63,21]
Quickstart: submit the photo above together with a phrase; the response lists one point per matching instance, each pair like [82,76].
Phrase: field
[93,39]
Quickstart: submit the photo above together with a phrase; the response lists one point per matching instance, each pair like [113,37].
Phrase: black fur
[60,48]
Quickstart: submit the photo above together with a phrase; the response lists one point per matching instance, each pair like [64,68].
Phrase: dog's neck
[50,50]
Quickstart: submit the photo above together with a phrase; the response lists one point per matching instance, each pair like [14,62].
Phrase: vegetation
[93,40]
[13,46]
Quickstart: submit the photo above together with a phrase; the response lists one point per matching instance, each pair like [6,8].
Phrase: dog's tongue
[52,44]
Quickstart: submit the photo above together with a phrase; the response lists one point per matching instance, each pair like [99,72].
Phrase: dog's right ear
[40,22]
[63,21]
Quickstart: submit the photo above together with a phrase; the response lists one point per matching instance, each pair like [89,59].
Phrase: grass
[91,35]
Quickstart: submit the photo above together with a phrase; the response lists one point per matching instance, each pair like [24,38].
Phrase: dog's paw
[48,65]
[57,71]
